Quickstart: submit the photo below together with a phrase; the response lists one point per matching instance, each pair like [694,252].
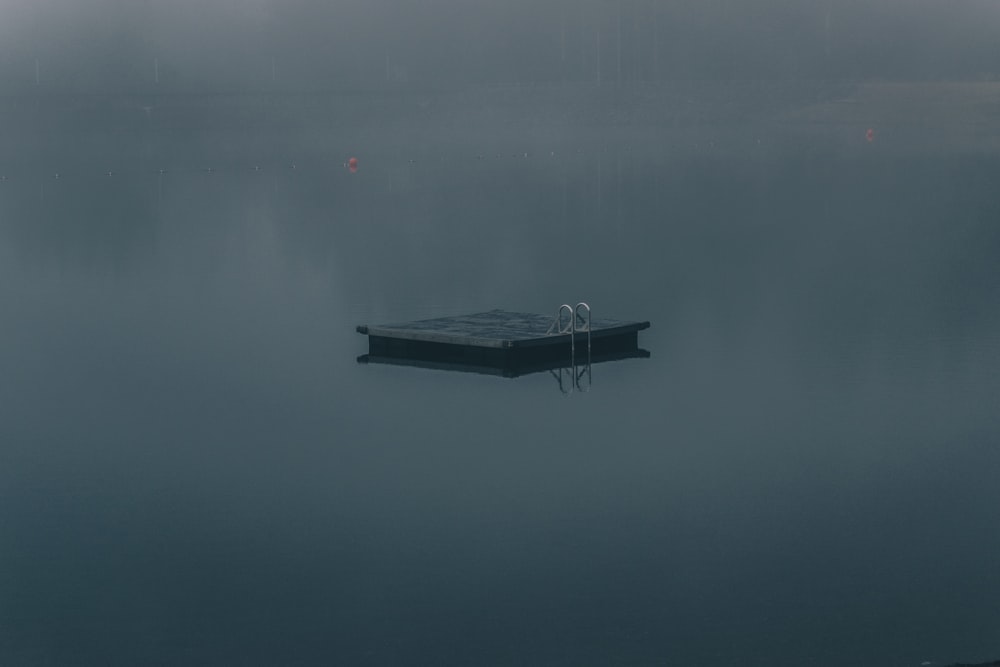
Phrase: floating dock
[504,342]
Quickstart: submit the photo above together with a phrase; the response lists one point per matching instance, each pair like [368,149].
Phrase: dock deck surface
[499,329]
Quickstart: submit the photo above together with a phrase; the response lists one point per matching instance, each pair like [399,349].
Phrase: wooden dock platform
[499,339]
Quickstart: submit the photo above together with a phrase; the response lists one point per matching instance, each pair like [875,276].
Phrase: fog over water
[181,45]
[799,196]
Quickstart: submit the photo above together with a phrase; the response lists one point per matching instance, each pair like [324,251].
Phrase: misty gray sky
[126,45]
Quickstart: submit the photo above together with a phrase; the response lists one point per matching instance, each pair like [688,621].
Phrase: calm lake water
[195,469]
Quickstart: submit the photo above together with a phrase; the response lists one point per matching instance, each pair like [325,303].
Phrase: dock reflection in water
[576,368]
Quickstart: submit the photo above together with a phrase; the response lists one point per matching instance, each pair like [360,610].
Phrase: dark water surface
[194,468]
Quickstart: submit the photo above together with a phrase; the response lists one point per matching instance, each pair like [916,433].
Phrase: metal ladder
[576,323]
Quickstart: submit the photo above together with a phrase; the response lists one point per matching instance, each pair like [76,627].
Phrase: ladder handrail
[577,323]
[576,314]
[557,325]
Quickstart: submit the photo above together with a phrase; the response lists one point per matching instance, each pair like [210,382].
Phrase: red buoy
[352,164]
[870,135]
